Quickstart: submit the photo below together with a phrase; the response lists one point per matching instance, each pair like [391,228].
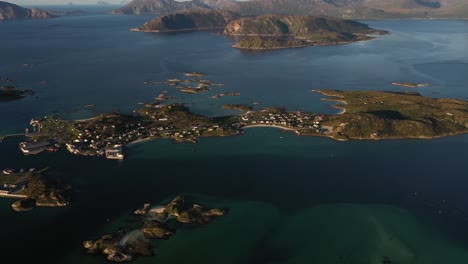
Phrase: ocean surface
[292,199]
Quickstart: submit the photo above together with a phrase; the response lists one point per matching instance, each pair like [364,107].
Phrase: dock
[6,194]
[33,148]
[115,152]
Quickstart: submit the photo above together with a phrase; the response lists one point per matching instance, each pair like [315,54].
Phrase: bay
[282,188]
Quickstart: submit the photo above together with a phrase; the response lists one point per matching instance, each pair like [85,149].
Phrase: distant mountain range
[370,9]
[140,7]
[9,11]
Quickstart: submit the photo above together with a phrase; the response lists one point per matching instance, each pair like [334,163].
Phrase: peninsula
[380,115]
[33,189]
[268,31]
[150,222]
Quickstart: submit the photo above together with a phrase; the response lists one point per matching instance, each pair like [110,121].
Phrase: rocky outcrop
[195,19]
[142,211]
[36,190]
[149,223]
[109,245]
[24,205]
[156,230]
[188,213]
[9,11]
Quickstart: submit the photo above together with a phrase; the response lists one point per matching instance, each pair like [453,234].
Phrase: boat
[8,171]
[52,149]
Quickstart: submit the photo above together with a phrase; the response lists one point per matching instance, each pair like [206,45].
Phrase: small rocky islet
[195,84]
[10,93]
[239,107]
[147,223]
[410,84]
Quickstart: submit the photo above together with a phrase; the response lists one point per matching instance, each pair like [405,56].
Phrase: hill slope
[160,7]
[196,19]
[374,9]
[283,31]
[9,11]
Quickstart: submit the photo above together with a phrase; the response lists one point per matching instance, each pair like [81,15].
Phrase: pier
[12,195]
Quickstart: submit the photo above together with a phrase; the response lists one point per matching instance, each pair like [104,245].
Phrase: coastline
[396,138]
[301,46]
[275,126]
[139,141]
[86,119]
[175,30]
[340,106]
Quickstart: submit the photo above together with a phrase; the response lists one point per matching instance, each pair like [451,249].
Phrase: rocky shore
[150,222]
[34,189]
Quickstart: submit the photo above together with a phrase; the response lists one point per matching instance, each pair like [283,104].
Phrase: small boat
[52,149]
[8,171]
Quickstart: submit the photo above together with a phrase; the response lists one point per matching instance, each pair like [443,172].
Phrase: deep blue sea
[292,199]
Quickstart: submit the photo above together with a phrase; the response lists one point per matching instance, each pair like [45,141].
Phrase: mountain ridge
[9,11]
[351,9]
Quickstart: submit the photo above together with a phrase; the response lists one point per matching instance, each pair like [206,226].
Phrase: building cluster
[106,135]
[11,189]
[293,120]
[96,138]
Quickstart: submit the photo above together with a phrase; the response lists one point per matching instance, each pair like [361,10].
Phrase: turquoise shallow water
[293,199]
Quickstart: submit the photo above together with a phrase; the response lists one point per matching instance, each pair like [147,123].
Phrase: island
[10,93]
[150,222]
[364,115]
[217,96]
[195,84]
[410,84]
[266,32]
[195,74]
[9,11]
[33,189]
[239,107]
[199,89]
